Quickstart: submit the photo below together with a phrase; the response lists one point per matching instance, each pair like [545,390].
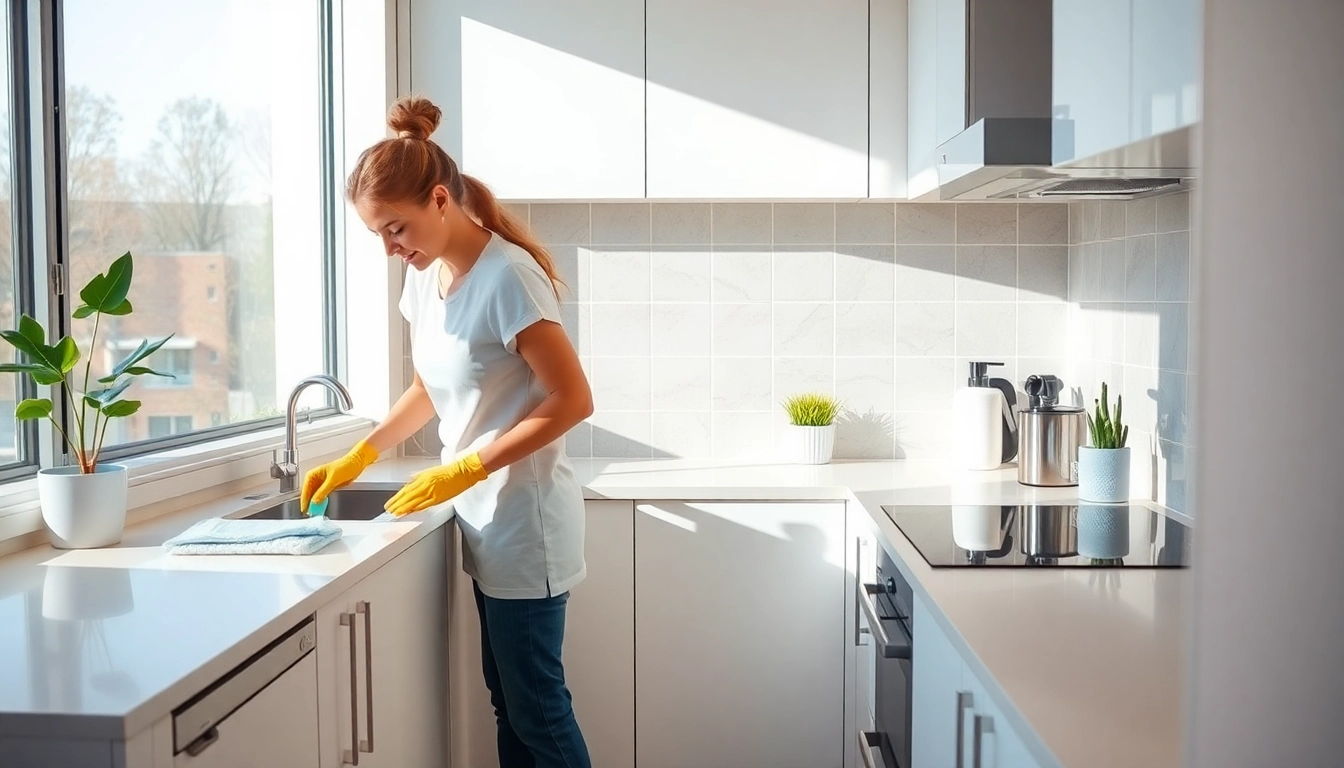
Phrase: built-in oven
[885,617]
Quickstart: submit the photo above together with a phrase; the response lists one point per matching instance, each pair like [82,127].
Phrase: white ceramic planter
[1103,530]
[810,445]
[83,511]
[1103,475]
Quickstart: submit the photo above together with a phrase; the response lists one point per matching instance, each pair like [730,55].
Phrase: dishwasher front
[258,714]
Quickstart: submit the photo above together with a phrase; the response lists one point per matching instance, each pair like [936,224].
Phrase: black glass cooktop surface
[1061,536]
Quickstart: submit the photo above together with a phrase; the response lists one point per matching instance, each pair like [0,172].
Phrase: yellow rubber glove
[321,481]
[437,485]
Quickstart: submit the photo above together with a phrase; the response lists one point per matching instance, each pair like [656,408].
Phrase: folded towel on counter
[218,536]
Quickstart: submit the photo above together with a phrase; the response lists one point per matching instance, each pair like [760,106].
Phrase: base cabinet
[383,664]
[740,635]
[955,723]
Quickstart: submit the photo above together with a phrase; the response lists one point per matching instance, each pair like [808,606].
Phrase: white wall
[1267,671]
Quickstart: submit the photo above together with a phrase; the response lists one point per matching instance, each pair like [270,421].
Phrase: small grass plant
[812,409]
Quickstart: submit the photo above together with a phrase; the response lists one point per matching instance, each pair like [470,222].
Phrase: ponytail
[478,201]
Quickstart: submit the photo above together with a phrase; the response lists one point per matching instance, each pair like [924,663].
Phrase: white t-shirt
[522,527]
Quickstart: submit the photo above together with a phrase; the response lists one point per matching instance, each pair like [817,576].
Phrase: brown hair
[409,166]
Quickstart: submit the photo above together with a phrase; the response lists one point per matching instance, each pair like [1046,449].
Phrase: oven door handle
[886,648]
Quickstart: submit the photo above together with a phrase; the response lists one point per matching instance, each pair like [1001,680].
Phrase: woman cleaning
[493,362]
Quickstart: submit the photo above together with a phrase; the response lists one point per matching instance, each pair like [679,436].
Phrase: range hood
[1013,133]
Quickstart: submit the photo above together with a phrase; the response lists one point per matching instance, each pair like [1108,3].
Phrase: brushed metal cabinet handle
[366,608]
[964,701]
[351,755]
[983,724]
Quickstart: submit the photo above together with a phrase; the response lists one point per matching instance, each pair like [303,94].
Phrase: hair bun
[414,117]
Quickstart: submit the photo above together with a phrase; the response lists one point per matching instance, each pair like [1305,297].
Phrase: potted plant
[83,505]
[811,428]
[1103,467]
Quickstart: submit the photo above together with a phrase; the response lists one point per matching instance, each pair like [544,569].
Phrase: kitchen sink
[345,504]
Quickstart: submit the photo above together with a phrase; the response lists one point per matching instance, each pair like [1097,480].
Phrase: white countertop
[105,642]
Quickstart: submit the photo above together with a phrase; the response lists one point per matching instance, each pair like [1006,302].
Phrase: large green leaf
[39,353]
[105,396]
[121,408]
[68,353]
[32,330]
[33,409]
[107,291]
[145,349]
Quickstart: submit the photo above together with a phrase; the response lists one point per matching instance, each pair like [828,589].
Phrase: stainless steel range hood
[1007,148]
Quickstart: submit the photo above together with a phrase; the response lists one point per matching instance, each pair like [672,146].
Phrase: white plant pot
[810,445]
[83,511]
[1103,475]
[1103,530]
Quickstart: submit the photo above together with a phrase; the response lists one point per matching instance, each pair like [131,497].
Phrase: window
[194,137]
[167,426]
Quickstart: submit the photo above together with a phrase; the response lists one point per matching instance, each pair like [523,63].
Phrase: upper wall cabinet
[1123,71]
[757,98]
[547,98]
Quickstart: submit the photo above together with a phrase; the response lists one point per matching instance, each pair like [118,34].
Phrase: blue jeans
[520,651]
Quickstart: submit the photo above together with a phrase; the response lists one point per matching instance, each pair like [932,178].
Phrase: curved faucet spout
[285,467]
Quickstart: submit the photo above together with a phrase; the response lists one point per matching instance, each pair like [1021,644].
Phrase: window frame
[58,251]
[27,433]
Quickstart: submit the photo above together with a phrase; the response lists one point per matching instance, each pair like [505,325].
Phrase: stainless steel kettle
[1048,435]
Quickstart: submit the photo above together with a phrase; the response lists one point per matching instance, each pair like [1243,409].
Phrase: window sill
[170,480]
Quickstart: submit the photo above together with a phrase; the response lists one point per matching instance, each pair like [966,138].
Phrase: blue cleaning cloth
[218,536]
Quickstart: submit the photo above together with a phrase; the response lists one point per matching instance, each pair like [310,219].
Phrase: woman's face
[415,233]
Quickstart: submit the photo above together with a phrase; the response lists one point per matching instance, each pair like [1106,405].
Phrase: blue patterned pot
[1103,475]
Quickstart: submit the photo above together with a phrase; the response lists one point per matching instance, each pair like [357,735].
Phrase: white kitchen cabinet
[922,98]
[950,69]
[383,663]
[740,634]
[541,100]
[757,98]
[1164,60]
[1123,71]
[599,649]
[949,702]
[939,706]
[887,115]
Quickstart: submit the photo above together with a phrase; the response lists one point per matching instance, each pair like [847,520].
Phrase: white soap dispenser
[985,427]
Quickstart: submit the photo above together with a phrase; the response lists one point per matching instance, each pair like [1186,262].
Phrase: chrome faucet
[285,465]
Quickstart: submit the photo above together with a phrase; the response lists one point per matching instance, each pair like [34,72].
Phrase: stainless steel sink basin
[345,504]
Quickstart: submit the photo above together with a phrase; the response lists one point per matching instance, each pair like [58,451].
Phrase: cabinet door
[548,98]
[277,728]
[939,700]
[922,98]
[1165,58]
[599,650]
[988,731]
[757,98]
[951,69]
[398,664]
[1091,76]
[740,634]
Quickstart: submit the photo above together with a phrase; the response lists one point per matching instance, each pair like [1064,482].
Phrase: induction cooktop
[1062,536]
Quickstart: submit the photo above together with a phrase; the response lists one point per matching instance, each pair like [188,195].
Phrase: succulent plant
[1108,432]
[812,409]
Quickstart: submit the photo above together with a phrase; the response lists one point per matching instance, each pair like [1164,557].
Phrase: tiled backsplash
[695,320]
[1129,289]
